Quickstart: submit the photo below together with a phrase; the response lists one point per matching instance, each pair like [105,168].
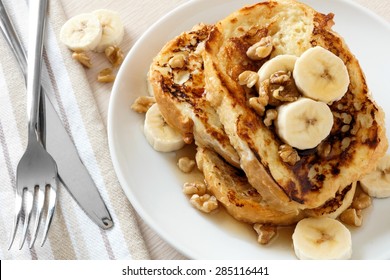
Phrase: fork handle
[15,43]
[13,39]
[37,22]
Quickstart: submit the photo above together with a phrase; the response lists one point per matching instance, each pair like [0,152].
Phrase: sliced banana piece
[82,32]
[377,182]
[283,62]
[321,75]
[304,123]
[161,136]
[322,239]
[112,29]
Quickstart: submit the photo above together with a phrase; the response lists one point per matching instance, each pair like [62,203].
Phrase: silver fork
[36,174]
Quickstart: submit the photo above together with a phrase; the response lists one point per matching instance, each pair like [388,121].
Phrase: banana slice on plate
[112,29]
[322,239]
[82,32]
[161,136]
[283,62]
[377,182]
[321,75]
[304,123]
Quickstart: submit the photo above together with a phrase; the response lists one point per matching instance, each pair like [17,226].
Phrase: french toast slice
[231,188]
[177,78]
[317,177]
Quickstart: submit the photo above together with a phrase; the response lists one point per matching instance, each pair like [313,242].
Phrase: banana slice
[159,134]
[321,75]
[82,32]
[322,239]
[112,26]
[304,123]
[283,62]
[377,183]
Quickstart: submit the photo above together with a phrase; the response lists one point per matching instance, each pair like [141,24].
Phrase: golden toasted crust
[231,187]
[177,78]
[335,206]
[316,178]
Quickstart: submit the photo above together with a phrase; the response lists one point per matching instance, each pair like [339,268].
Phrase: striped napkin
[72,235]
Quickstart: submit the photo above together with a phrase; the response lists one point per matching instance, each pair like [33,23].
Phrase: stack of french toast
[278,107]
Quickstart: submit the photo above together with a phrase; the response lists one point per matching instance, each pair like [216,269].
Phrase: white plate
[153,183]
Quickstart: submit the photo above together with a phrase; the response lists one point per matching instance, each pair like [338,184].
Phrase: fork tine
[38,213]
[18,211]
[50,210]
[28,209]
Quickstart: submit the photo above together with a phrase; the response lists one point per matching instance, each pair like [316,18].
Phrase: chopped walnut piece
[265,233]
[261,49]
[277,93]
[177,61]
[270,116]
[114,55]
[106,76]
[143,103]
[283,95]
[205,203]
[352,217]
[265,92]
[280,77]
[194,188]
[361,201]
[258,105]
[82,58]
[186,164]
[282,87]
[248,78]
[324,149]
[288,154]
[181,76]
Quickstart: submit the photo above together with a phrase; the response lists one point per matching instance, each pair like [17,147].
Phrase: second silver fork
[36,175]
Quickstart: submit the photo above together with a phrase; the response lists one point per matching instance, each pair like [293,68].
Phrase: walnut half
[177,61]
[261,49]
[106,76]
[265,233]
[186,164]
[288,154]
[143,103]
[114,55]
[194,188]
[270,116]
[248,78]
[82,58]
[205,203]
